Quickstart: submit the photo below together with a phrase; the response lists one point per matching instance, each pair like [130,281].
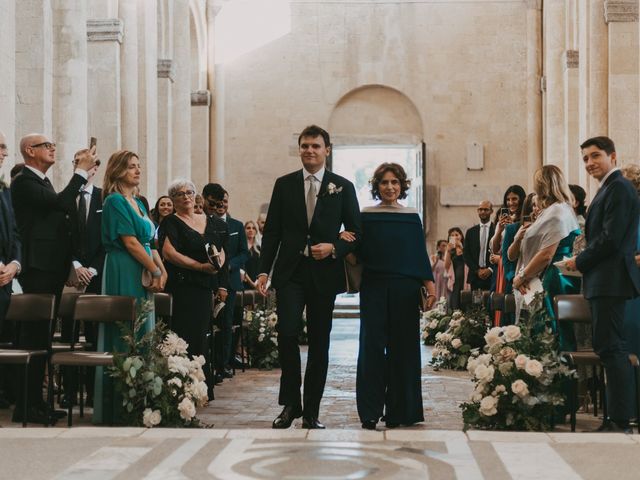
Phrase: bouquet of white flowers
[263,338]
[434,321]
[519,378]
[160,385]
[464,333]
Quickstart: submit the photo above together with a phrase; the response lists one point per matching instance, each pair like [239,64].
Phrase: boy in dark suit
[307,210]
[610,275]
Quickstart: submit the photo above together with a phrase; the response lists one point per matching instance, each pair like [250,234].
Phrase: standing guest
[88,261]
[455,268]
[476,249]
[193,277]
[632,310]
[162,209]
[389,304]
[253,262]
[546,241]
[610,274]
[10,258]
[43,218]
[127,235]
[15,170]
[238,253]
[198,206]
[510,212]
[307,210]
[439,274]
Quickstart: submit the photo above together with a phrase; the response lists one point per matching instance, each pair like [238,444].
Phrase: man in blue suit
[217,203]
[610,275]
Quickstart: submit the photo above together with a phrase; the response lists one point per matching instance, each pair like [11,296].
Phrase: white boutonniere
[332,189]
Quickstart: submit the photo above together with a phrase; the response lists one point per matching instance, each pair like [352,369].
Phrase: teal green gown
[122,276]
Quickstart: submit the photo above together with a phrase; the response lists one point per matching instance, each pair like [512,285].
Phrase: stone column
[8,82]
[69,85]
[553,111]
[534,100]
[574,171]
[622,19]
[216,164]
[33,67]
[104,38]
[181,94]
[593,75]
[166,77]
[148,96]
[128,13]
[200,105]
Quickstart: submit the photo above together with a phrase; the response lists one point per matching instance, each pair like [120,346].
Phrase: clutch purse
[216,257]
[147,278]
[352,273]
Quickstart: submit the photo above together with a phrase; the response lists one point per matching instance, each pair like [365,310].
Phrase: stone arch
[198,32]
[375,114]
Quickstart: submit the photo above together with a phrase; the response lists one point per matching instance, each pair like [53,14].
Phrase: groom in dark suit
[610,275]
[307,210]
[44,222]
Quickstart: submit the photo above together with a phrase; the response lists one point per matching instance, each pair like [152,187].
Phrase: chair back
[105,309]
[163,303]
[509,303]
[497,301]
[249,298]
[68,304]
[466,299]
[31,307]
[572,308]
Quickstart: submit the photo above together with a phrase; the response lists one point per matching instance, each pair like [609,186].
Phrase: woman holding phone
[455,267]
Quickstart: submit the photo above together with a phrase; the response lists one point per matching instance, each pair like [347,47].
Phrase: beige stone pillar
[8,81]
[104,37]
[33,67]
[534,100]
[593,75]
[571,59]
[553,106]
[128,13]
[216,168]
[622,19]
[166,77]
[181,94]
[200,105]
[148,96]
[69,85]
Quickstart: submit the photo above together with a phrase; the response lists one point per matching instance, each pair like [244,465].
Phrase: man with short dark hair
[610,274]
[308,207]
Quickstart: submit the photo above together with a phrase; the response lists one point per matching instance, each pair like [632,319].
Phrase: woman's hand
[494,259]
[163,280]
[347,236]
[208,268]
[156,285]
[521,284]
[520,233]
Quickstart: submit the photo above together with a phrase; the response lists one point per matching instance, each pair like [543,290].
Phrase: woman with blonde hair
[127,236]
[547,240]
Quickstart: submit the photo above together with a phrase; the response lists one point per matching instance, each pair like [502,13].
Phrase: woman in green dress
[127,235]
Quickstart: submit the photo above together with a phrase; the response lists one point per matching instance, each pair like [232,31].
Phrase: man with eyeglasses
[476,249]
[44,220]
[10,258]
[217,203]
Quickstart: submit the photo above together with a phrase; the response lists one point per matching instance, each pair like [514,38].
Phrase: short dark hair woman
[395,268]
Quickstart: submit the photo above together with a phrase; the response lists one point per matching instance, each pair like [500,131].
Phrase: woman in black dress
[252,265]
[193,277]
[455,267]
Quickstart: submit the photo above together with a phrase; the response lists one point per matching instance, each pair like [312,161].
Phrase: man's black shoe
[287,416]
[68,401]
[312,423]
[391,424]
[217,379]
[237,362]
[369,424]
[610,426]
[34,415]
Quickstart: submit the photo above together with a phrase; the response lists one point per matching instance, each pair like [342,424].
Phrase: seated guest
[184,238]
[632,309]
[455,268]
[437,267]
[579,206]
[253,262]
[548,240]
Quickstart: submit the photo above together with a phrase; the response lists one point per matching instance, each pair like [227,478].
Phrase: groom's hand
[321,250]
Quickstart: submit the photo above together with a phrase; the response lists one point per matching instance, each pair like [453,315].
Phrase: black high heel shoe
[369,424]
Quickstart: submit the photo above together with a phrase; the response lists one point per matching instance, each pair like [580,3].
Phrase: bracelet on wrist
[157,273]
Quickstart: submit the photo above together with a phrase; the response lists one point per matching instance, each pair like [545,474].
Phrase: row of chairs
[97,309]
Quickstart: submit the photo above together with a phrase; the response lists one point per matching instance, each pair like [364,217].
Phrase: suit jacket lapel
[322,193]
[298,194]
[601,191]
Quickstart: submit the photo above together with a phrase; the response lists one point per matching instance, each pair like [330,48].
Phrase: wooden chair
[503,302]
[163,303]
[98,309]
[26,308]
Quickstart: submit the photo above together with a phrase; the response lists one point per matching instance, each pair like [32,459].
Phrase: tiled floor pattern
[119,453]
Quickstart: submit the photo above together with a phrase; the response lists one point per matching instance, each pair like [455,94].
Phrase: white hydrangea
[173,345]
[493,336]
[179,365]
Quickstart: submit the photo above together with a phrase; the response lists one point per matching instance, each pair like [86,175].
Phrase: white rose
[484,359]
[472,364]
[493,336]
[521,361]
[151,418]
[484,374]
[433,324]
[520,388]
[488,406]
[476,397]
[512,333]
[500,389]
[456,343]
[533,368]
[261,337]
[505,367]
[187,409]
[179,365]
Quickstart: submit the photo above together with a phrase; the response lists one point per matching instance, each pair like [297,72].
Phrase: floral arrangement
[519,378]
[263,338]
[464,333]
[434,321]
[159,383]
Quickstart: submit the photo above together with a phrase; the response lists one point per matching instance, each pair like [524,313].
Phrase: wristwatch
[333,252]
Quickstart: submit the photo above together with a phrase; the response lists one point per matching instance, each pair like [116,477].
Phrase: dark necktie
[48,183]
[82,221]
